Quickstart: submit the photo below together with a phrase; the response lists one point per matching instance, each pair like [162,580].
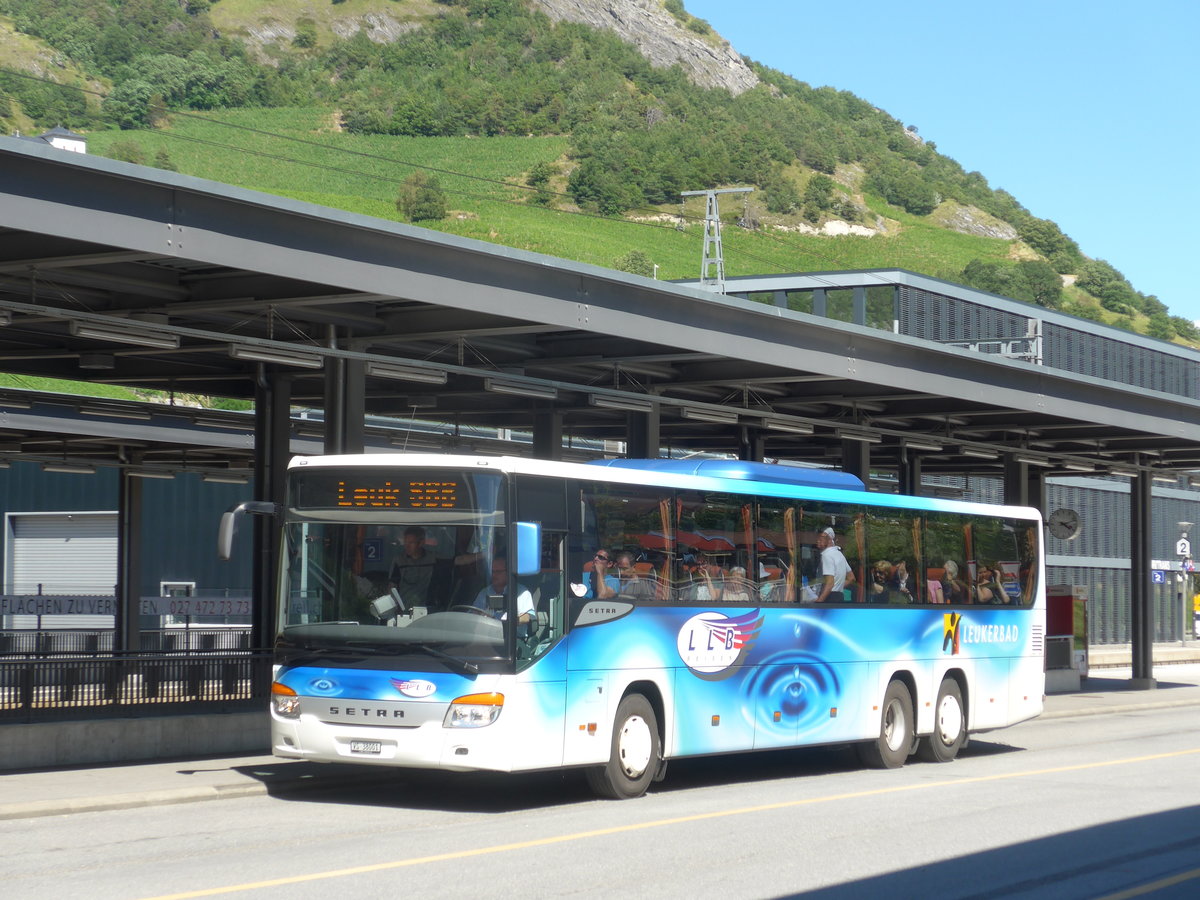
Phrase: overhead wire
[537,191]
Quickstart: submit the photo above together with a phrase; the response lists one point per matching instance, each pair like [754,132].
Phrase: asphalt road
[1095,806]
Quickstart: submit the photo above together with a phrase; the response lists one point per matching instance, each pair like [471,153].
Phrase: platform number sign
[372,550]
[1158,576]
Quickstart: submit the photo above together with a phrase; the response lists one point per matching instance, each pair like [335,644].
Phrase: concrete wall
[93,741]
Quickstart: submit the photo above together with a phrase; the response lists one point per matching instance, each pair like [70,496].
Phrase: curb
[44,808]
[1122,708]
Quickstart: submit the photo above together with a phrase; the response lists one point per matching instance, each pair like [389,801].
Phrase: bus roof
[742,470]
[714,474]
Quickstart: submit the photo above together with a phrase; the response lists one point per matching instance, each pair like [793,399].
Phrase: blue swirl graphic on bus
[792,693]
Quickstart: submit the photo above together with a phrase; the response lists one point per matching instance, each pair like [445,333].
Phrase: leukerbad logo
[711,644]
[952,633]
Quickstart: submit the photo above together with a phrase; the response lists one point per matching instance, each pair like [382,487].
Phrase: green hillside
[362,173]
[548,136]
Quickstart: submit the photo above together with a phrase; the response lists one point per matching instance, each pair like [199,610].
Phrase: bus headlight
[473,711]
[285,701]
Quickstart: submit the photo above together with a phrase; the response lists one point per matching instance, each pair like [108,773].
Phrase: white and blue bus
[500,614]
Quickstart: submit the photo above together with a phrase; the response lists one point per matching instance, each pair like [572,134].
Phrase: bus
[471,613]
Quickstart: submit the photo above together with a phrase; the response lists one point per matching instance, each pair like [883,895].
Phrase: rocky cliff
[709,61]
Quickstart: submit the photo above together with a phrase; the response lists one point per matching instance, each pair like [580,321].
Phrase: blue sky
[1084,111]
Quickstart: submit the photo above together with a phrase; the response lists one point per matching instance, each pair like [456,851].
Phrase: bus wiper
[351,649]
[307,653]
[465,666]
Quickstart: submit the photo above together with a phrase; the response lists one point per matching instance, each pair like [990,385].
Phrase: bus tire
[949,725]
[635,752]
[895,741]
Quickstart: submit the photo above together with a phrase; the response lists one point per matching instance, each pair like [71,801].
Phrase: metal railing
[53,642]
[77,686]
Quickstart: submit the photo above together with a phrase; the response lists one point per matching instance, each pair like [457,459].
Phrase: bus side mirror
[529,548]
[229,520]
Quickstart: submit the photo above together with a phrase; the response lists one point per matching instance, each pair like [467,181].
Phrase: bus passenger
[412,569]
[881,576]
[954,589]
[737,588]
[987,586]
[602,582]
[834,567]
[704,588]
[632,585]
[900,584]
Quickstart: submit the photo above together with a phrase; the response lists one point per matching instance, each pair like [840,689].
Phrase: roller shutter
[64,553]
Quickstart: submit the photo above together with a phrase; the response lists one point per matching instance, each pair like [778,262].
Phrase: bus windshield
[383,573]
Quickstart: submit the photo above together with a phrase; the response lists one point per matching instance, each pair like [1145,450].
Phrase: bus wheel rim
[634,746]
[949,721]
[893,725]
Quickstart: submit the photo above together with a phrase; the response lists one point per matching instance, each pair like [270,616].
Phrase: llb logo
[710,644]
[417,688]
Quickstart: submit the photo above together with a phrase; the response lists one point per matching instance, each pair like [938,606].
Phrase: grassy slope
[362,174]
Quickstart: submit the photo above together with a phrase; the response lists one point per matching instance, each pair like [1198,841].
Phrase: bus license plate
[366,747]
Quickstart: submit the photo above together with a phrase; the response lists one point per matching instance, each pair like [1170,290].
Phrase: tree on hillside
[1185,328]
[539,177]
[1047,239]
[1033,281]
[636,263]
[781,194]
[127,151]
[421,198]
[1083,311]
[1160,327]
[1044,284]
[901,185]
[1110,287]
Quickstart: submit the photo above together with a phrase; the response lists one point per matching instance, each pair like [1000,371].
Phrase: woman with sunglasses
[602,582]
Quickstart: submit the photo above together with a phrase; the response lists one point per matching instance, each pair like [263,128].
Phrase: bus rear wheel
[634,754]
[949,725]
[895,741]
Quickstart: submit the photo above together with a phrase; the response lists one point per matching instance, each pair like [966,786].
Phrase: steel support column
[1141,606]
[1016,484]
[859,302]
[548,434]
[752,444]
[856,459]
[345,405]
[910,474]
[643,435]
[127,623]
[272,405]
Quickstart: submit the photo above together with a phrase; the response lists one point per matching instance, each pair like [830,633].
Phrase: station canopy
[120,274]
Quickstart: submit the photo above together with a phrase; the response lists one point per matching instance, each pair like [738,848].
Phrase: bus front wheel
[949,725]
[895,741]
[634,753]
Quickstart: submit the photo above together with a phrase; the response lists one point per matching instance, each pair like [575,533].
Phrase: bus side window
[945,546]
[776,560]
[891,554]
[628,519]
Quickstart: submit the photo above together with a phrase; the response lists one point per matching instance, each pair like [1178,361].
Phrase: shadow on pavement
[1094,685]
[1127,857]
[488,792]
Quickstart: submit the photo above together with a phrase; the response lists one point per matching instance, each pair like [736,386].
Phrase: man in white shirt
[834,567]
[498,586]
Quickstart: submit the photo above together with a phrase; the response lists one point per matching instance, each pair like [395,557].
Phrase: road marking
[1153,886]
[663,823]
